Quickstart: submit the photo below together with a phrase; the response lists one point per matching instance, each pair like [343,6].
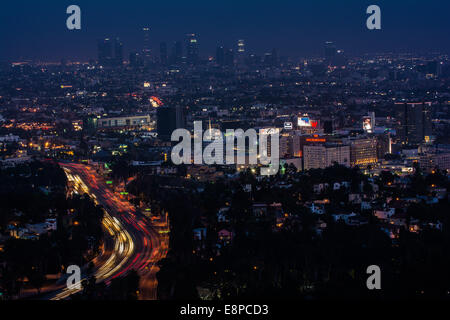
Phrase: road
[136,242]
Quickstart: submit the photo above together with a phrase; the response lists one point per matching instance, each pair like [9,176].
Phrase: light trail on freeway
[138,243]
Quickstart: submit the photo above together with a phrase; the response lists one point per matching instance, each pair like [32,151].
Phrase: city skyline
[295,29]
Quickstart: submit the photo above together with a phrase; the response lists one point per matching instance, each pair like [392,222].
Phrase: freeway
[137,242]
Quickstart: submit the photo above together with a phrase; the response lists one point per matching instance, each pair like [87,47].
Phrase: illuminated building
[435,160]
[119,122]
[146,52]
[363,152]
[285,145]
[241,52]
[308,125]
[324,156]
[192,48]
[241,46]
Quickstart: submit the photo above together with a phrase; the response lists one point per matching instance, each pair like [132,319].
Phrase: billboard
[304,122]
[368,124]
[307,122]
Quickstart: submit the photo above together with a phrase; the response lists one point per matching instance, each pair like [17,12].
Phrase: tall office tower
[340,59]
[241,52]
[220,56]
[146,51]
[268,59]
[384,146]
[168,120]
[326,155]
[163,53]
[286,145]
[427,121]
[415,122]
[176,55]
[363,152]
[192,48]
[274,57]
[135,59]
[105,52]
[330,52]
[118,52]
[229,58]
[290,145]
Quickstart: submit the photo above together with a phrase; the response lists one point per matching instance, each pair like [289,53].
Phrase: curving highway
[136,242]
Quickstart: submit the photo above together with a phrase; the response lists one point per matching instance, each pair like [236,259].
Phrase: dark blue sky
[37,29]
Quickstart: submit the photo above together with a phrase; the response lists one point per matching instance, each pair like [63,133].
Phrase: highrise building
[118,52]
[168,120]
[340,59]
[229,58]
[146,51]
[220,56]
[163,53]
[135,59]
[268,60]
[105,52]
[274,57]
[192,51]
[241,52]
[110,53]
[415,122]
[177,53]
[330,52]
[384,145]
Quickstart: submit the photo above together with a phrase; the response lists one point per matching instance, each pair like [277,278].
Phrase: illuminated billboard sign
[304,122]
[288,126]
[367,124]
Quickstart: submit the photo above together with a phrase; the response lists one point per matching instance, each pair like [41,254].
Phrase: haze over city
[36,29]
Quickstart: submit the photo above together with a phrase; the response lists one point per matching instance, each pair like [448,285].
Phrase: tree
[36,278]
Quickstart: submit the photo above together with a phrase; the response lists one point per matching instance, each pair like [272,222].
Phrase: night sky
[37,29]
